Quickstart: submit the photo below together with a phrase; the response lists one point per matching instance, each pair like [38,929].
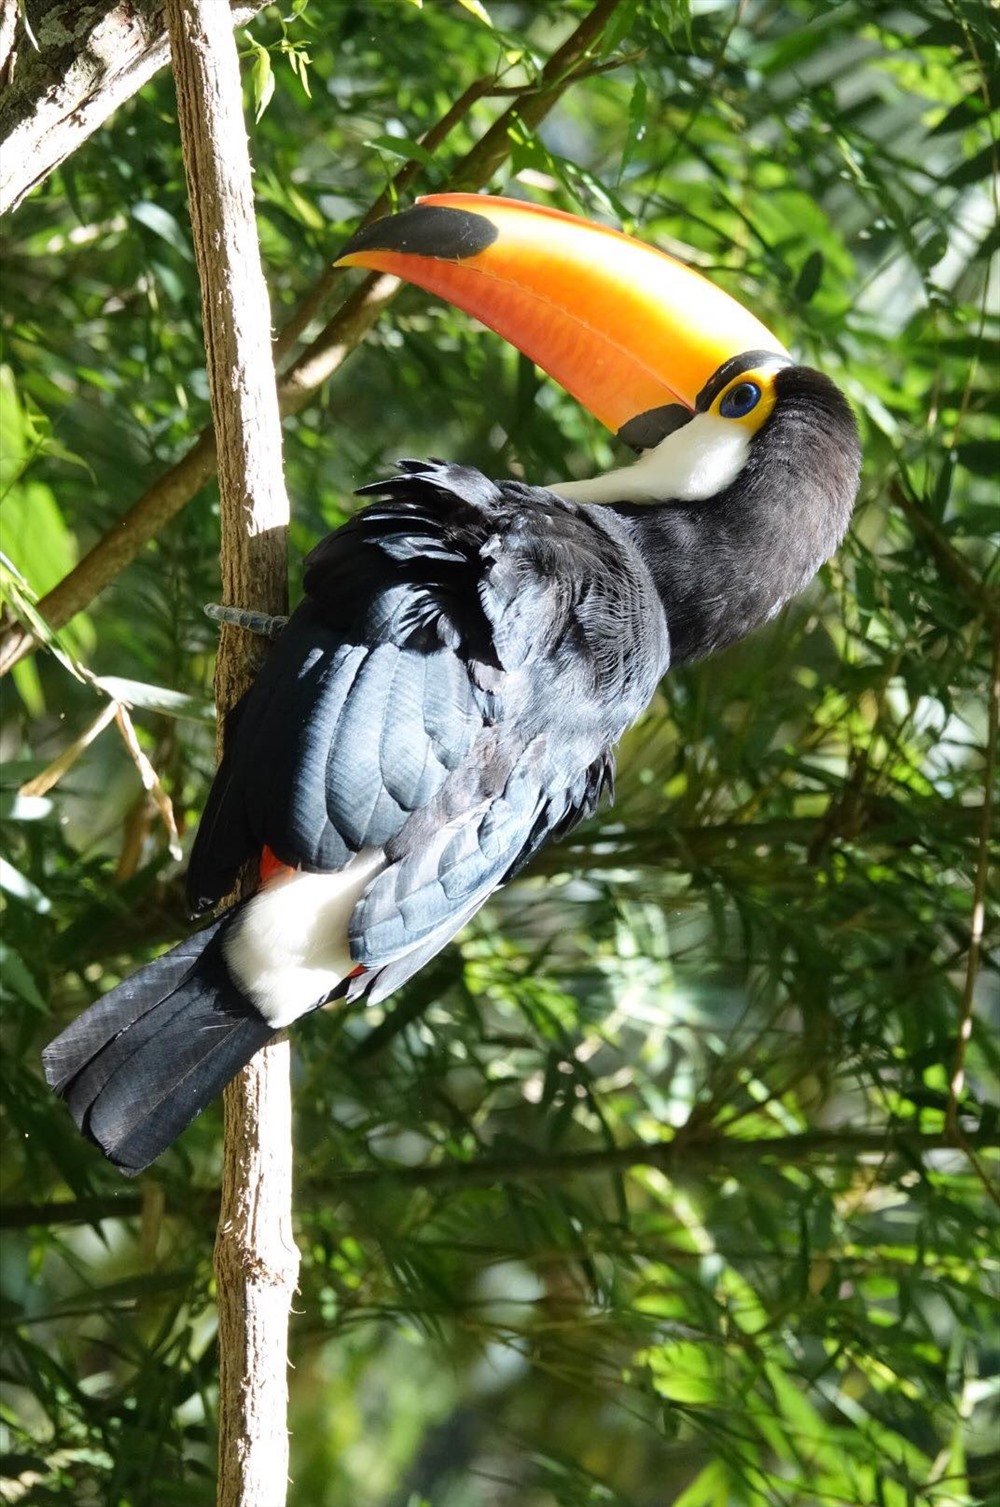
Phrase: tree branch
[677,1157]
[312,305]
[256,1262]
[64,68]
[709,1155]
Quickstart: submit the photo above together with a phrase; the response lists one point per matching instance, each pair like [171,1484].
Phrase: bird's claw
[262,623]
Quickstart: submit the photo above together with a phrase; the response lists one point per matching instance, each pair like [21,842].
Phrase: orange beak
[623,327]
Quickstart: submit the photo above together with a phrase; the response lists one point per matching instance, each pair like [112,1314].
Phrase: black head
[804,468]
[727,562]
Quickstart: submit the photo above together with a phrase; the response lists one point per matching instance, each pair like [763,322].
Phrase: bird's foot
[261,623]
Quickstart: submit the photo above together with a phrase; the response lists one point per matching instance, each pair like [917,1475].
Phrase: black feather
[138,1066]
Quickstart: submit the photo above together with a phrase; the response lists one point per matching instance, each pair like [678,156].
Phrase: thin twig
[956,1082]
[949,561]
[116,709]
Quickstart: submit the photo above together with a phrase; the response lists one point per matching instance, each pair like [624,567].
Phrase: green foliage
[771,938]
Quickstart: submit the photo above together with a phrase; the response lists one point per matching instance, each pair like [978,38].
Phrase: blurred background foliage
[780,934]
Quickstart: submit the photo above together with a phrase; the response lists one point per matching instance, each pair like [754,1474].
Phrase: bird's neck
[722,562]
[717,576]
[676,505]
[730,528]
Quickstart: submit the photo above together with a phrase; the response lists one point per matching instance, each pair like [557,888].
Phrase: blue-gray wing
[449,692]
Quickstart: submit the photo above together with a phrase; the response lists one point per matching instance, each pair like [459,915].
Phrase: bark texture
[64,67]
[256,1262]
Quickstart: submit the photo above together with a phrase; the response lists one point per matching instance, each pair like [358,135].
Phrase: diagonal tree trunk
[64,67]
[256,1261]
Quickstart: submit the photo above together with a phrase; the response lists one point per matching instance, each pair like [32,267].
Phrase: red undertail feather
[271,866]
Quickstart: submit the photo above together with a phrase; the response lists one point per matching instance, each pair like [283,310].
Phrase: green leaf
[35,535]
[18,885]
[980,168]
[808,281]
[15,433]
[155,698]
[932,250]
[16,978]
[159,220]
[712,1487]
[407,151]
[477,9]
[637,121]
[261,79]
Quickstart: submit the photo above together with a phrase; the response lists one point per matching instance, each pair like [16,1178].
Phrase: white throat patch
[697,461]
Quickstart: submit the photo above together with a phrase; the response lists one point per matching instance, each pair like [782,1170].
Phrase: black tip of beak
[426,230]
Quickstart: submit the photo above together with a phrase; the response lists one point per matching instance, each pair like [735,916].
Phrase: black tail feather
[138,1066]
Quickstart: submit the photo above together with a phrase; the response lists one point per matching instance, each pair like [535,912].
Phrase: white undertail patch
[288,948]
[696,462]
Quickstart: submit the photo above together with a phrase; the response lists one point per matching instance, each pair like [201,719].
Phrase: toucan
[467,653]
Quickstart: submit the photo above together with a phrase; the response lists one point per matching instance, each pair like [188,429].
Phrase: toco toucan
[468,652]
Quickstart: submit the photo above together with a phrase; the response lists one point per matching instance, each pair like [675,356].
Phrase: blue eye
[740,400]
